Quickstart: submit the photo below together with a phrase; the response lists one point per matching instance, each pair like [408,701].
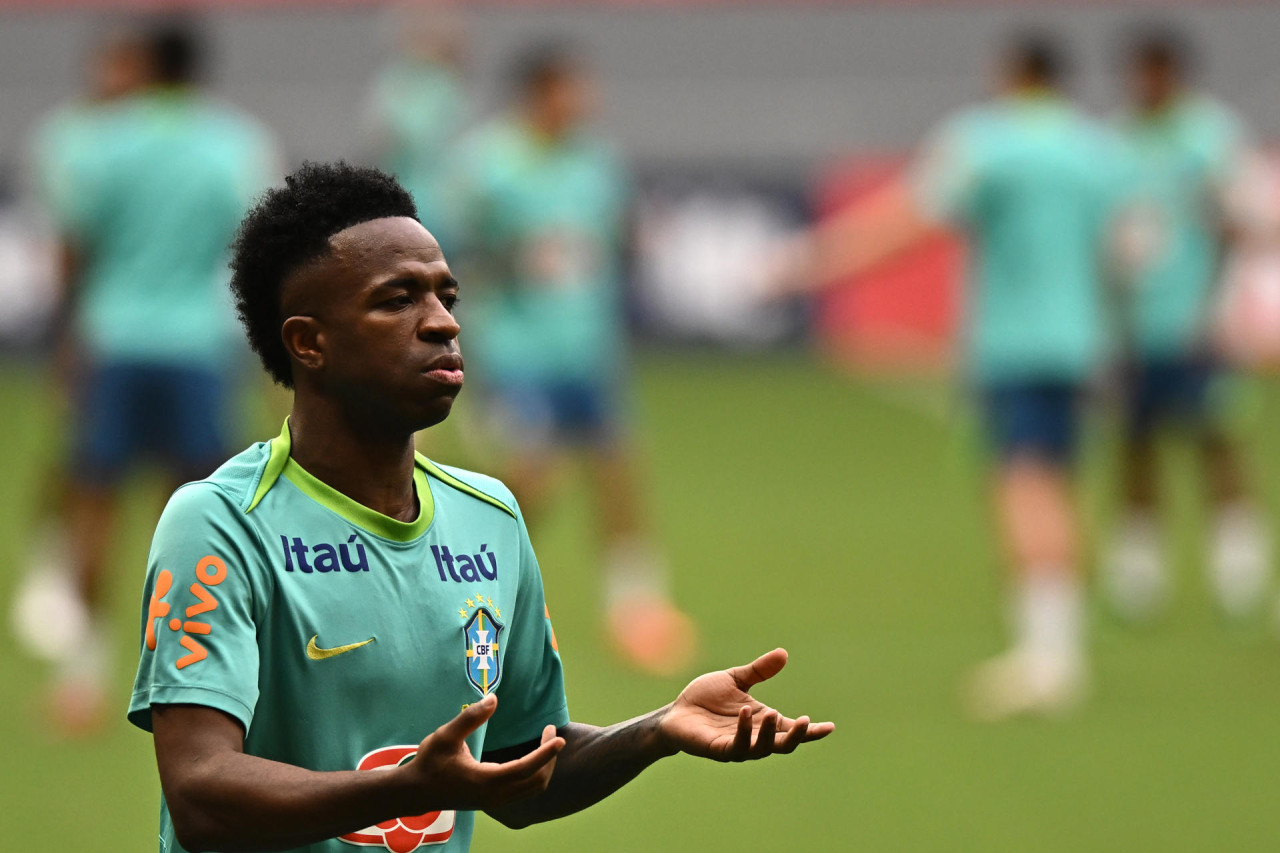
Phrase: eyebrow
[394,281]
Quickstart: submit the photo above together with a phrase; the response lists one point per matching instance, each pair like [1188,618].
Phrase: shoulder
[231,486]
[481,487]
[971,121]
[1215,121]
[232,125]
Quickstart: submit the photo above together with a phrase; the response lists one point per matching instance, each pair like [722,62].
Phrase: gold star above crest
[470,603]
[497,612]
[462,613]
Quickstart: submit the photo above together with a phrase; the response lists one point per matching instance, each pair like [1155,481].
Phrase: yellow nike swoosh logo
[316,653]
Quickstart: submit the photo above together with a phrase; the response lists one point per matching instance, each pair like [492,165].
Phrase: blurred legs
[1044,672]
[1134,575]
[644,624]
[1240,543]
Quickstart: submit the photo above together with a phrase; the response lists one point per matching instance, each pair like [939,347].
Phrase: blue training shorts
[128,411]
[556,413]
[1033,419]
[1170,391]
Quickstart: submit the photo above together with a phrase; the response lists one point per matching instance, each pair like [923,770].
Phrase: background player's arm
[929,196]
[714,717]
[220,798]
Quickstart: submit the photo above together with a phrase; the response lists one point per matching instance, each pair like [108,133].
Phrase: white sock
[1239,558]
[634,570]
[48,616]
[1049,616]
[1134,576]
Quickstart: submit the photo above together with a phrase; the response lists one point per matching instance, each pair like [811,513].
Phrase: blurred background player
[146,206]
[116,68]
[418,107]
[546,206]
[1026,178]
[1184,153]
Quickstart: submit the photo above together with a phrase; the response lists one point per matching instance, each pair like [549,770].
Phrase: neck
[372,466]
[545,128]
[1160,105]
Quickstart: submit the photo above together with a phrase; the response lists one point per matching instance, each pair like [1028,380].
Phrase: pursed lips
[445,369]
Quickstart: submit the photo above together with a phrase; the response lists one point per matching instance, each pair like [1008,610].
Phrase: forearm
[869,233]
[594,763]
[239,802]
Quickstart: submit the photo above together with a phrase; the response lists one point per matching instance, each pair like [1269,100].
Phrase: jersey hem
[557,718]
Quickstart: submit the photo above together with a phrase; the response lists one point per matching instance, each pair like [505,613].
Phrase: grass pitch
[847,521]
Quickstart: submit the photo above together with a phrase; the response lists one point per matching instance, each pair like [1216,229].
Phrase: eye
[450,301]
[402,300]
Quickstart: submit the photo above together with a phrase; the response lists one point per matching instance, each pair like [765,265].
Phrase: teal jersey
[1179,165]
[61,141]
[1031,181]
[153,203]
[338,637]
[418,109]
[545,223]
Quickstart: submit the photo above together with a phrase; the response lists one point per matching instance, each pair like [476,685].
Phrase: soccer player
[544,204]
[418,107]
[1185,152]
[146,211]
[323,599]
[1026,178]
[48,615]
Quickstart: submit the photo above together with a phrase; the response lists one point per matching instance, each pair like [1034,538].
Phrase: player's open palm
[447,776]
[716,717]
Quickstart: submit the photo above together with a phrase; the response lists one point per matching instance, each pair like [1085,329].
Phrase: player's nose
[437,321]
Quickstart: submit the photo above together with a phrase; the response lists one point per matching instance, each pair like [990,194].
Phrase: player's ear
[304,339]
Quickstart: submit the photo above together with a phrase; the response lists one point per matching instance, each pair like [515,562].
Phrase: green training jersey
[547,219]
[1031,181]
[418,108]
[64,138]
[153,202]
[338,637]
[1180,163]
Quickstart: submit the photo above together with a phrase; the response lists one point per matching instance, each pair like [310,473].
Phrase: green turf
[845,520]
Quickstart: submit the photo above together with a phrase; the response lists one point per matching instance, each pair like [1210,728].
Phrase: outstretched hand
[716,717]
[444,773]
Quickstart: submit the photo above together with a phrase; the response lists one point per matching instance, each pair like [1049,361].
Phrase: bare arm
[868,233]
[221,798]
[714,717]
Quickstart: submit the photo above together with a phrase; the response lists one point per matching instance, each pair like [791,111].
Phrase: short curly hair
[291,226]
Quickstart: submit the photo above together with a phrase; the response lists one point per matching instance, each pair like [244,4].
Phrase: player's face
[567,100]
[119,68]
[386,329]
[1154,83]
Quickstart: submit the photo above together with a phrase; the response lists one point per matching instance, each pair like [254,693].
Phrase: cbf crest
[482,632]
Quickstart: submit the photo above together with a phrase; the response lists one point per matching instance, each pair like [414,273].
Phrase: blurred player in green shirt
[322,601]
[1028,179]
[546,205]
[418,107]
[146,202]
[48,615]
[1184,153]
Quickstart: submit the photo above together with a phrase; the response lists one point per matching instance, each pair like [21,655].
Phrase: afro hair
[291,226]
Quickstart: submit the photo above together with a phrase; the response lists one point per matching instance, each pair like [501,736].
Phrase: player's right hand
[445,775]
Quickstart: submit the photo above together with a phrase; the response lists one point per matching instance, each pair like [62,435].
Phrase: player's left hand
[715,717]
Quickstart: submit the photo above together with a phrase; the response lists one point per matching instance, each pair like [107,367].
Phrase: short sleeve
[198,634]
[531,695]
[944,177]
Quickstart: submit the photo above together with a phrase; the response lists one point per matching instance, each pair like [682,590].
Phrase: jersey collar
[280,463]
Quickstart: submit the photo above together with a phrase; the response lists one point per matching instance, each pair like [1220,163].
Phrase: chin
[433,413]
